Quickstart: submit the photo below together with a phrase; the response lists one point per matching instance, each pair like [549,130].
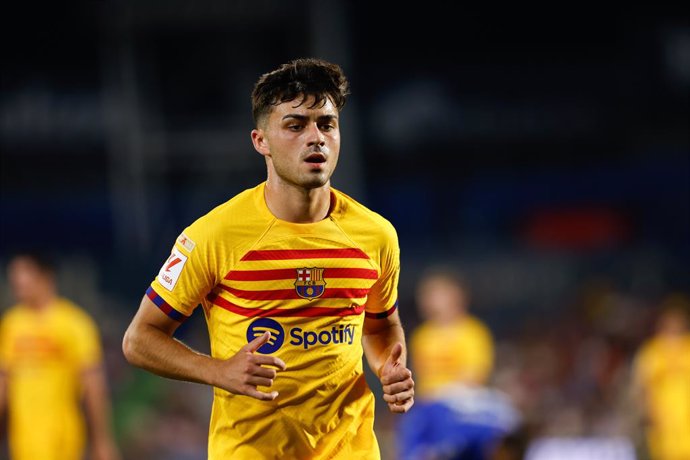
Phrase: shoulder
[422,332]
[355,215]
[476,326]
[74,313]
[647,360]
[239,214]
[13,313]
[647,353]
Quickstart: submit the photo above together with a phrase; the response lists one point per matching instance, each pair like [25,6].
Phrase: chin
[314,181]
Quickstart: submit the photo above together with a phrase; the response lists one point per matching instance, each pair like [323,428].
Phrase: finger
[264,372]
[265,360]
[255,344]
[260,395]
[396,375]
[397,387]
[260,381]
[399,397]
[396,353]
[401,408]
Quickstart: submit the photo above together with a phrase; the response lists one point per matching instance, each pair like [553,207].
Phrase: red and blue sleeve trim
[165,306]
[383,314]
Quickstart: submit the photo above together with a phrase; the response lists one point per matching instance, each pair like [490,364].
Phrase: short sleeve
[383,296]
[5,344]
[186,276]
[85,342]
[479,356]
[642,365]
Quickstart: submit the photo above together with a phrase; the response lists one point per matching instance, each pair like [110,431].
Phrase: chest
[38,341]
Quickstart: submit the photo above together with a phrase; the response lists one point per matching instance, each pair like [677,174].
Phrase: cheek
[22,281]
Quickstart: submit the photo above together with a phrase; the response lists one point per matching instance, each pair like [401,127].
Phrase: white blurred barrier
[581,449]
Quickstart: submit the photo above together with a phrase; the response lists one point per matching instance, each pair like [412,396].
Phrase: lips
[316,158]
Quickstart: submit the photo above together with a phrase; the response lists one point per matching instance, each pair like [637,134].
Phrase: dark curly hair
[306,77]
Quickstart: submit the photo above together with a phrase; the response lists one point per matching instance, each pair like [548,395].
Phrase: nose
[315,136]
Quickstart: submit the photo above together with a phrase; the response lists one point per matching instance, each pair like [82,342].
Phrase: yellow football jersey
[456,352]
[662,367]
[43,353]
[311,286]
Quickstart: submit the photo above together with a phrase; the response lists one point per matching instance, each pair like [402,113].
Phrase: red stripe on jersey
[285,294]
[261,275]
[289,273]
[285,254]
[284,312]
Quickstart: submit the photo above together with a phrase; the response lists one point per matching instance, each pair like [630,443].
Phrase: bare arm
[98,414]
[148,343]
[384,347]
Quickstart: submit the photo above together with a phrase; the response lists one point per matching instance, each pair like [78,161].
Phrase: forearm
[149,344]
[96,403]
[152,349]
[384,346]
[378,342]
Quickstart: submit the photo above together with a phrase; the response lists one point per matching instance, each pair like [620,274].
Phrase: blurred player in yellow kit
[296,280]
[450,346]
[50,358]
[662,378]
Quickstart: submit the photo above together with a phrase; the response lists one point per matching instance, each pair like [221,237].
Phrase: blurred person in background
[451,345]
[297,281]
[51,364]
[457,415]
[661,382]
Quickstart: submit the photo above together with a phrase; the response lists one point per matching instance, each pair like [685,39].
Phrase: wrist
[210,370]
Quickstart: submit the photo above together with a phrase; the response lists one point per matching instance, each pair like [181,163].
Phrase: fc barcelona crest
[310,283]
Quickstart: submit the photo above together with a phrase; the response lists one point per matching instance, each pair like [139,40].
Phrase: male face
[440,299]
[301,144]
[673,322]
[27,280]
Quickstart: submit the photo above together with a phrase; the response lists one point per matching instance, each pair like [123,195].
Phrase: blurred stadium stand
[547,157]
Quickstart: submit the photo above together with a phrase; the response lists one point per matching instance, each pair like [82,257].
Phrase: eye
[327,127]
[295,127]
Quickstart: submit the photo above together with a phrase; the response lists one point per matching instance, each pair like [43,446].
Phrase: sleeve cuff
[383,314]
[164,306]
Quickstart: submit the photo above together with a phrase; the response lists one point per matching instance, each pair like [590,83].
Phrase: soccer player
[296,280]
[451,346]
[50,361]
[661,380]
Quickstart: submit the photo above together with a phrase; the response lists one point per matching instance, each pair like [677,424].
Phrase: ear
[260,142]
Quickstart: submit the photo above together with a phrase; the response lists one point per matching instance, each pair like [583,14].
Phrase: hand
[242,373]
[103,448]
[398,386]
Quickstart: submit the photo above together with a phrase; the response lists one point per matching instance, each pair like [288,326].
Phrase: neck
[296,204]
[449,318]
[41,301]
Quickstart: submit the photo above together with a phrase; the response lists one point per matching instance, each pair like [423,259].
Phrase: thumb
[396,353]
[255,344]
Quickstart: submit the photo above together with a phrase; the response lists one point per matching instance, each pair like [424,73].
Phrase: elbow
[129,348]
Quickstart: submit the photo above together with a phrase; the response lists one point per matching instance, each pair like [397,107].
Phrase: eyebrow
[304,117]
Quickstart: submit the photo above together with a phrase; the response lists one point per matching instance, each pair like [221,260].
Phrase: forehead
[438,282]
[23,264]
[304,106]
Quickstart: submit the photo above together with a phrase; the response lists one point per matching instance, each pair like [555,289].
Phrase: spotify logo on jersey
[262,325]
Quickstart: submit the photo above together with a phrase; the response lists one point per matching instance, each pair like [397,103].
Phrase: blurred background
[543,154]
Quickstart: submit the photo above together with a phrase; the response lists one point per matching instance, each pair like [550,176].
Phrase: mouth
[316,158]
